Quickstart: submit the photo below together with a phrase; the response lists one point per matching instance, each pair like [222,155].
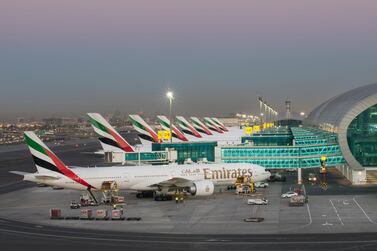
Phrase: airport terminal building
[342,129]
[352,116]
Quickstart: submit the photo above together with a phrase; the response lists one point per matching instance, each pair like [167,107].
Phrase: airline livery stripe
[146,130]
[187,128]
[67,172]
[200,126]
[110,142]
[98,125]
[126,147]
[40,155]
[200,130]
[146,137]
[103,134]
[32,144]
[141,130]
[212,125]
[46,165]
[166,125]
[219,124]
[188,132]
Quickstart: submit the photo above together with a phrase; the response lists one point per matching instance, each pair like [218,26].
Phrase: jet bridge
[296,147]
[137,158]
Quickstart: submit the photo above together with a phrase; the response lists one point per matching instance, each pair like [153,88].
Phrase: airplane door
[126,177]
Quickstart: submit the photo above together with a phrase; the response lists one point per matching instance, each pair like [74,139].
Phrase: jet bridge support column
[299,176]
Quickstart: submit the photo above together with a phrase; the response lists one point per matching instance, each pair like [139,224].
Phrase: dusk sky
[68,57]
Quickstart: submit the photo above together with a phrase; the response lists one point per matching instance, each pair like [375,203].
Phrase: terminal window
[362,137]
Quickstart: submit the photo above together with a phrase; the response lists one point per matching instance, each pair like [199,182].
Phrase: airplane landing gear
[145,194]
[162,196]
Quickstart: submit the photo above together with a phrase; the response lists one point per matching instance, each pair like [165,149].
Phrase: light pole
[170,96]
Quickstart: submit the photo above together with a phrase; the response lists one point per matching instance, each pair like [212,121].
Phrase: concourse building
[352,116]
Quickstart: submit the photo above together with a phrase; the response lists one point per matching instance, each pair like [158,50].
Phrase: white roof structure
[337,113]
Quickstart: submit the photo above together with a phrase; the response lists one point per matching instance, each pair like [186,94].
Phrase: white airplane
[220,133]
[200,126]
[195,131]
[146,133]
[187,128]
[219,124]
[212,125]
[176,133]
[197,179]
[110,139]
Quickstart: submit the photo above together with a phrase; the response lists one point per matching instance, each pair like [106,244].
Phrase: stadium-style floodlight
[267,110]
[170,96]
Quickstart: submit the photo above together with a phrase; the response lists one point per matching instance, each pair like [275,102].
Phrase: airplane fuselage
[147,177]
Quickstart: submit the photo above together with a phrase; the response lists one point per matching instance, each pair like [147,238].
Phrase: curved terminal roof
[333,111]
[337,113]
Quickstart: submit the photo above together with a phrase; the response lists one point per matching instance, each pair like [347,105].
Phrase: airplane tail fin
[220,124]
[110,139]
[45,160]
[145,131]
[200,126]
[165,123]
[187,127]
[211,125]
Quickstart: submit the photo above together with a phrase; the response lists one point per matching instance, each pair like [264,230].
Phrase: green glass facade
[152,157]
[269,140]
[285,163]
[292,147]
[362,137]
[283,157]
[194,150]
[246,152]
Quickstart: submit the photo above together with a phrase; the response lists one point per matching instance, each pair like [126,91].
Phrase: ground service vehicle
[74,205]
[261,184]
[312,178]
[288,194]
[262,201]
[297,201]
[277,177]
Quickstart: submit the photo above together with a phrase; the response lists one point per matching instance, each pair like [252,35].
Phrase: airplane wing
[37,176]
[170,183]
[174,182]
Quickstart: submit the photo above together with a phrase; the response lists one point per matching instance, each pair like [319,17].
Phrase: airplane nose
[268,174]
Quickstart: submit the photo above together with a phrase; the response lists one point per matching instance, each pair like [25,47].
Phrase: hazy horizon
[71,57]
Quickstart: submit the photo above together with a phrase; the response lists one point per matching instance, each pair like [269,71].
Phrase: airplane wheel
[157,198]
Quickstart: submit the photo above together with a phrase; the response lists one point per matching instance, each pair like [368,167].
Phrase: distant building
[230,121]
[52,121]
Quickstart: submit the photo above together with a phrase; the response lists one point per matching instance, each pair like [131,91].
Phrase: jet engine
[202,188]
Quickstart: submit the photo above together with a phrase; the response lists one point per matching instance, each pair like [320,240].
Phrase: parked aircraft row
[211,130]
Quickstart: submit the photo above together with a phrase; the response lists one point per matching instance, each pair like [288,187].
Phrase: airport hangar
[352,116]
